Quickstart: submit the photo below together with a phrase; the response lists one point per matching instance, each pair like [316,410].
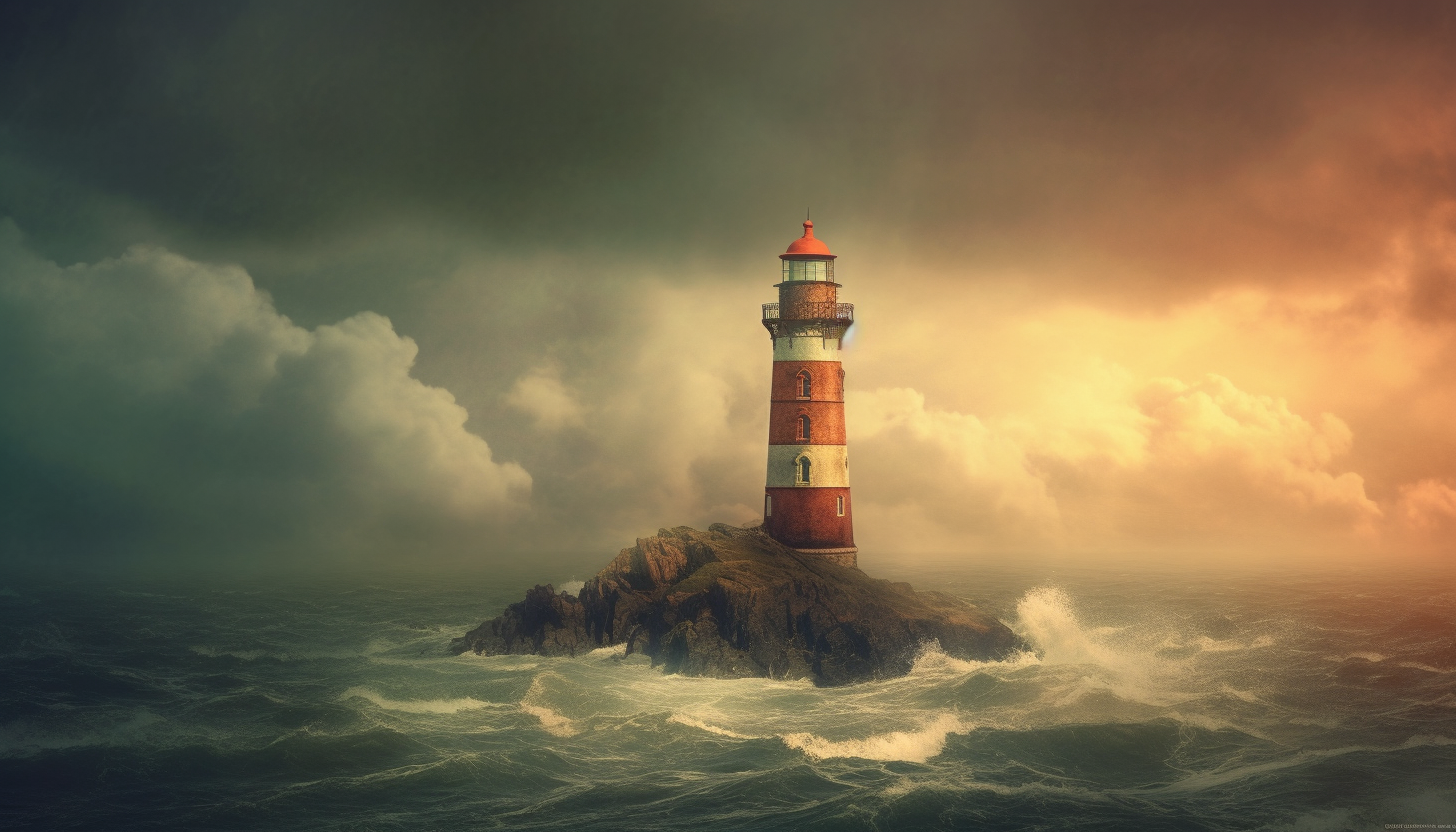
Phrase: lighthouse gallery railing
[841,313]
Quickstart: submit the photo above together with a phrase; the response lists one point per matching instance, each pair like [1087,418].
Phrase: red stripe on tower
[806,503]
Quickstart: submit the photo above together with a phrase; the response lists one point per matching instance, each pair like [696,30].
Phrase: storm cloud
[1129,276]
[154,401]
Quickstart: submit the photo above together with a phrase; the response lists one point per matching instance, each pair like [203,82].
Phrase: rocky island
[733,602]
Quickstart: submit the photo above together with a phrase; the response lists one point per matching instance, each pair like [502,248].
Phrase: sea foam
[418,706]
[915,746]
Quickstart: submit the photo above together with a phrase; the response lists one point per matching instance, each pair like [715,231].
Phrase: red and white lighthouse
[806,503]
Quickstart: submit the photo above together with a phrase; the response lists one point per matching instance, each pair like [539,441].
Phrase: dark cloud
[1138,130]
[155,405]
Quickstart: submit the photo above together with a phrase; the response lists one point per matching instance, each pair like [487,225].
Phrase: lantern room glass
[808,270]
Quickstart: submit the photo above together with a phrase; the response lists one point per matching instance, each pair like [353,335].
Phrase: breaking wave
[418,706]
[915,746]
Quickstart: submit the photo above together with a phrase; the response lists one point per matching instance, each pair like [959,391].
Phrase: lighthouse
[806,503]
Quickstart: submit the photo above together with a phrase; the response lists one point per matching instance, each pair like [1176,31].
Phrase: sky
[449,283]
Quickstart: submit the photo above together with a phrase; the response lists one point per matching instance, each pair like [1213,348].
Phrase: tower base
[815,521]
[843,557]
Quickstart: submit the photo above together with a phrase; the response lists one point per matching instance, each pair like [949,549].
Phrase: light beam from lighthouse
[806,503]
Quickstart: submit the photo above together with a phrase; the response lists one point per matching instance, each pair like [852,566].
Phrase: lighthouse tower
[806,502]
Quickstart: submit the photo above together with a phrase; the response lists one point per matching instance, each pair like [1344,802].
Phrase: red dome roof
[807,247]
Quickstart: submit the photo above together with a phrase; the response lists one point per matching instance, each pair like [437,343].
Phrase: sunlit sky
[458,282]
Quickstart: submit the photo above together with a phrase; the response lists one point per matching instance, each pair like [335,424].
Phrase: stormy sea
[1149,700]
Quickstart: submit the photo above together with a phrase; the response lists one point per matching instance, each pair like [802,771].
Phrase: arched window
[839,505]
[768,505]
[805,384]
[804,427]
[803,470]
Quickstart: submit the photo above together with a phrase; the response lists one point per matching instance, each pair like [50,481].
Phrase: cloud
[193,414]
[1120,466]
[1211,425]
[678,408]
[541,394]
[1429,503]
[942,458]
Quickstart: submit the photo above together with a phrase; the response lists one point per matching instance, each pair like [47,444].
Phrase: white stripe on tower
[806,348]
[828,466]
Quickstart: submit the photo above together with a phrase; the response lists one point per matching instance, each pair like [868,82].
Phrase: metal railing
[842,313]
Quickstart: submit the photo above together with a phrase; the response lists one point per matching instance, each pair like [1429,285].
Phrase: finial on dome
[808,246]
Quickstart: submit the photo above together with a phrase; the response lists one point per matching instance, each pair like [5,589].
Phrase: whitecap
[418,706]
[1046,619]
[915,746]
[684,719]
[933,661]
[554,722]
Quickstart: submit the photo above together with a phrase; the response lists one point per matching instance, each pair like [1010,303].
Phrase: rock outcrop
[732,602]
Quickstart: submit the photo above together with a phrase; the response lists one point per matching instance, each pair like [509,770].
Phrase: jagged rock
[545,622]
[732,602]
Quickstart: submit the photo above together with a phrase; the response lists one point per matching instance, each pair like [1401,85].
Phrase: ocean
[1151,700]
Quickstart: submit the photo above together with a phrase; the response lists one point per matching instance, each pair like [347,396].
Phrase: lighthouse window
[803,470]
[804,384]
[768,505]
[839,505]
[808,270]
[804,427]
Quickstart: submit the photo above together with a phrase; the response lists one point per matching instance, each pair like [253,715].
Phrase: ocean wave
[1209,779]
[1427,668]
[1213,645]
[256,654]
[244,655]
[25,738]
[512,664]
[915,746]
[1320,820]
[933,661]
[1363,655]
[684,719]
[1045,617]
[419,706]
[553,721]
[1244,695]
